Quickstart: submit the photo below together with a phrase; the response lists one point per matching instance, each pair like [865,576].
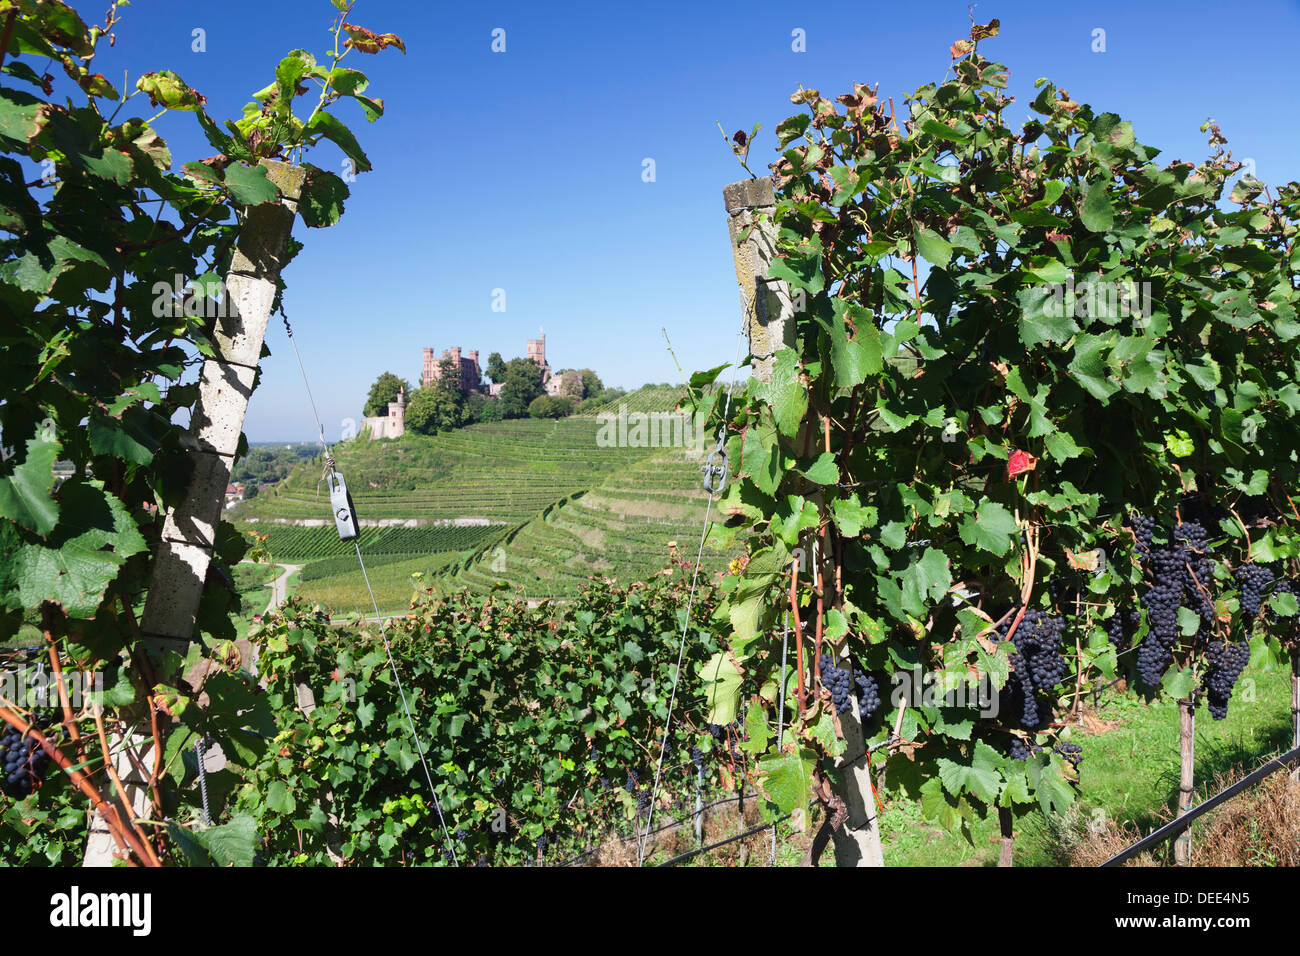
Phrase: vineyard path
[278,586]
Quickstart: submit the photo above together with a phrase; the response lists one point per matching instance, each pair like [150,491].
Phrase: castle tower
[428,373]
[537,352]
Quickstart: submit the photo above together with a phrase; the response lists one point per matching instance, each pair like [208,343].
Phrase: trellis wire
[448,844]
[690,601]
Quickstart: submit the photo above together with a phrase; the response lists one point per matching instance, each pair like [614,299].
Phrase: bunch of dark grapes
[1144,529]
[541,845]
[1291,633]
[1037,663]
[845,683]
[1019,750]
[1193,542]
[1226,662]
[1072,753]
[642,801]
[697,757]
[1121,626]
[1179,576]
[868,694]
[630,785]
[24,761]
[1253,580]
[838,681]
[604,783]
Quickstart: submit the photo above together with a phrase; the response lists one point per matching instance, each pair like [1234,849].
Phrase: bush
[548,406]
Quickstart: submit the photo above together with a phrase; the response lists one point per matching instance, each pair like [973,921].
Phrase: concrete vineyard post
[769,308]
[225,386]
[1007,838]
[180,566]
[1187,754]
[1295,708]
[770,311]
[699,806]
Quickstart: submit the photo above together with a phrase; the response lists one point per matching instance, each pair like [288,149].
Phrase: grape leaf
[25,494]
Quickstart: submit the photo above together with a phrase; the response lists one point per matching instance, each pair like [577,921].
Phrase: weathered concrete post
[770,326]
[180,567]
[769,322]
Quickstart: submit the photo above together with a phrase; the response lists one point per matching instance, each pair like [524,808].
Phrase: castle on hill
[393,424]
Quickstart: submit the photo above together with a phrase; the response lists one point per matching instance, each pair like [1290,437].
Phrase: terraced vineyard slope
[628,528]
[505,472]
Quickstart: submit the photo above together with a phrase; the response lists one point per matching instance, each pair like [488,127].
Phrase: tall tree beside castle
[523,383]
[440,405]
[384,391]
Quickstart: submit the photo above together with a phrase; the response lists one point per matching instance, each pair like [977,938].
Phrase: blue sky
[522,170]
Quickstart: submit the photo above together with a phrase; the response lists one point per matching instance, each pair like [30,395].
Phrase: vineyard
[996,561]
[293,542]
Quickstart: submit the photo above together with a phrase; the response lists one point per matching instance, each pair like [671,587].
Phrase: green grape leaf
[78,560]
[25,492]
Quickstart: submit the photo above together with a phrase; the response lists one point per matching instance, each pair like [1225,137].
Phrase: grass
[1129,774]
[345,592]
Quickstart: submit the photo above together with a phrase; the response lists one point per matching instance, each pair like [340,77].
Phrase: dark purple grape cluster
[1122,626]
[1193,543]
[642,801]
[1144,529]
[838,681]
[24,761]
[1019,750]
[1037,664]
[1253,581]
[697,757]
[845,683]
[1226,662]
[1072,753]
[869,700]
[630,784]
[604,783]
[1178,575]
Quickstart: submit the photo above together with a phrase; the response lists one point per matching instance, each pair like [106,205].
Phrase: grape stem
[68,720]
[798,631]
[117,781]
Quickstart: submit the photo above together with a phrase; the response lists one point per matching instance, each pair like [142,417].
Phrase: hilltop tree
[496,367]
[384,391]
[591,383]
[441,406]
[571,384]
[523,383]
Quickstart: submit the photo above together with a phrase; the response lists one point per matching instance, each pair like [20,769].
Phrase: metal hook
[716,472]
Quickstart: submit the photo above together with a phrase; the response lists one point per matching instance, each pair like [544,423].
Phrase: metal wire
[448,845]
[409,719]
[686,623]
[200,749]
